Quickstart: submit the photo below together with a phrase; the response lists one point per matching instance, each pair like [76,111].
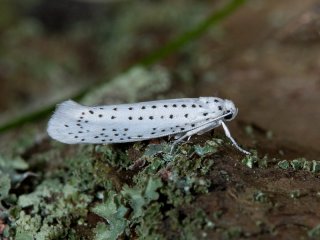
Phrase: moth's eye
[229,116]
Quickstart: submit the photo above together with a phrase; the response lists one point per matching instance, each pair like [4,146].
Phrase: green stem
[185,38]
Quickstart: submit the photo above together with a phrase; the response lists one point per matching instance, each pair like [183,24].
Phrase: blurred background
[264,56]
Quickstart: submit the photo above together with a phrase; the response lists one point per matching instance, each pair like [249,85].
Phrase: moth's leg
[207,129]
[228,134]
[188,134]
[177,136]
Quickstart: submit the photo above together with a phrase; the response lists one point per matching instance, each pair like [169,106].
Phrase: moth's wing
[164,117]
[62,124]
[73,123]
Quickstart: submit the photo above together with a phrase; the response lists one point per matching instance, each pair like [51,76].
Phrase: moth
[73,123]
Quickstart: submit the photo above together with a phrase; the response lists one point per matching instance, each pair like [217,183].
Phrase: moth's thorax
[220,105]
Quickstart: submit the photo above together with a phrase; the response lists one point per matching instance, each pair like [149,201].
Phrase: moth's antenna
[228,134]
[222,116]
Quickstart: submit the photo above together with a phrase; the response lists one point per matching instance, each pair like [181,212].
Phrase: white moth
[73,123]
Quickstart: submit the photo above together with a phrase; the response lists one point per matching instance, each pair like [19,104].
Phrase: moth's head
[230,108]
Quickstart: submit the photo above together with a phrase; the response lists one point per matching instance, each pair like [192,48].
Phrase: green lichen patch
[167,180]
[59,200]
[147,191]
[5,185]
[284,164]
[209,148]
[114,213]
[260,196]
[300,164]
[254,160]
[314,232]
